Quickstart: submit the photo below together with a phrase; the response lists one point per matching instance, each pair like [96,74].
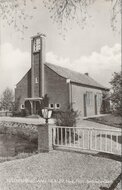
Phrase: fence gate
[91,139]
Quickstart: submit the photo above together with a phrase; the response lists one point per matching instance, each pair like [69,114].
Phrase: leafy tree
[105,106]
[116,93]
[14,12]
[66,11]
[7,99]
[16,104]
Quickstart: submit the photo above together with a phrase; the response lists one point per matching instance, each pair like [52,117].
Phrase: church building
[62,86]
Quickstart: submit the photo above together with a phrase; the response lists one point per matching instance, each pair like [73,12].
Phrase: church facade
[62,86]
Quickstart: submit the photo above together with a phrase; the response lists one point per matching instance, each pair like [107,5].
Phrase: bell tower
[37,65]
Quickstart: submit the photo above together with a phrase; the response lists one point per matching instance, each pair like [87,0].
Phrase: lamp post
[45,133]
[46,112]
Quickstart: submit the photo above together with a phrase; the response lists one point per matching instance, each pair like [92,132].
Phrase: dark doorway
[28,106]
[95,102]
[85,108]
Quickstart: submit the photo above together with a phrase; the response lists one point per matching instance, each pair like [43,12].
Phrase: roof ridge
[86,79]
[64,68]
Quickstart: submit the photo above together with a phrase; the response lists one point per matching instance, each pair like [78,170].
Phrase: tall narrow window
[36,80]
[36,44]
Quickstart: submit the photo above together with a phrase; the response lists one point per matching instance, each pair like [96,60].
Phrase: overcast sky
[95,50]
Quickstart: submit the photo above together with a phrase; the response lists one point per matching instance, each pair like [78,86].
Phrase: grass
[23,131]
[111,120]
[26,138]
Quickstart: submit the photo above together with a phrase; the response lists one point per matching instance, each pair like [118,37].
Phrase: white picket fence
[92,139]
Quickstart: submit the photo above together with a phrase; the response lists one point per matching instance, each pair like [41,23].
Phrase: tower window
[36,45]
[36,80]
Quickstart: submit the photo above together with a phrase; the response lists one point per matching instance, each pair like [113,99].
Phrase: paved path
[26,120]
[86,123]
[80,123]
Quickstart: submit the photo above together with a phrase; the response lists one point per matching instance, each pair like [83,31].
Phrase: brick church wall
[78,92]
[56,88]
[23,88]
[36,74]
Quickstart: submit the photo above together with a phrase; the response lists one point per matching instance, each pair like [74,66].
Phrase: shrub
[16,113]
[66,118]
[69,119]
[22,113]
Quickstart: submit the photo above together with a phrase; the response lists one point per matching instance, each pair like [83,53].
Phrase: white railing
[93,139]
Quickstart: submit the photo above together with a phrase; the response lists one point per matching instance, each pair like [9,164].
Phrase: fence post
[44,138]
[89,139]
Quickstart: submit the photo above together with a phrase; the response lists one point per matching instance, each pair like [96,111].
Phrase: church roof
[75,77]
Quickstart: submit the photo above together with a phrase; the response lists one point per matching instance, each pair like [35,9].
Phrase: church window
[36,80]
[57,106]
[51,106]
[36,45]
[22,106]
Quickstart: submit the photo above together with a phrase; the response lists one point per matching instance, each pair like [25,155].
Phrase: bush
[66,118]
[22,113]
[16,113]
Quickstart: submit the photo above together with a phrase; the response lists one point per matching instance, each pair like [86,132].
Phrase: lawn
[17,140]
[111,120]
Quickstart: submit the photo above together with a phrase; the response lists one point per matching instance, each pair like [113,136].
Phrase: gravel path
[58,170]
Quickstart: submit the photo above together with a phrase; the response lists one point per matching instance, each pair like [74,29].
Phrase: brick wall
[58,91]
[36,75]
[78,92]
[56,88]
[23,88]
[37,65]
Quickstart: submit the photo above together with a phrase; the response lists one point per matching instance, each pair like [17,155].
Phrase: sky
[96,49]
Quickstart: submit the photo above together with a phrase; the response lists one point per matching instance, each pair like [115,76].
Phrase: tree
[45,101]
[105,106]
[13,12]
[65,11]
[116,93]
[62,11]
[7,99]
